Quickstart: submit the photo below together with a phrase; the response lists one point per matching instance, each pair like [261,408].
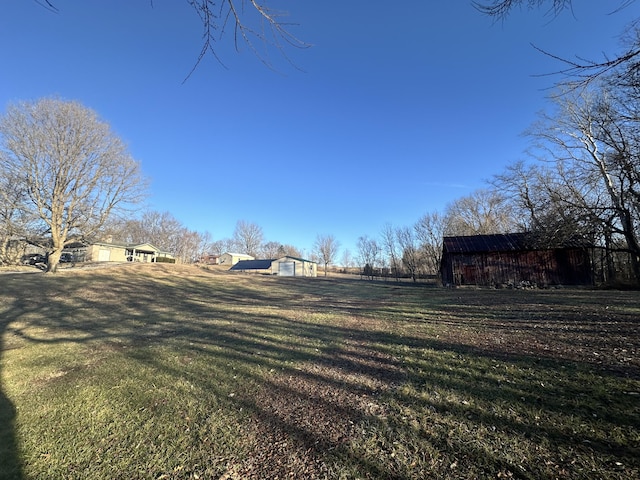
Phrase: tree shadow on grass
[9,458]
[330,380]
[10,465]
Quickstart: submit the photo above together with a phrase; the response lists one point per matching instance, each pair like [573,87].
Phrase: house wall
[106,253]
[540,267]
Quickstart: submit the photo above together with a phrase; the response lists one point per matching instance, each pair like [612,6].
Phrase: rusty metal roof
[504,242]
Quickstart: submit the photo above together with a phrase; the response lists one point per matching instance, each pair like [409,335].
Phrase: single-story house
[285,267]
[210,259]
[118,252]
[515,259]
[233,258]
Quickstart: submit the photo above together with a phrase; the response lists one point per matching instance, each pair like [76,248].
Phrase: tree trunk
[53,259]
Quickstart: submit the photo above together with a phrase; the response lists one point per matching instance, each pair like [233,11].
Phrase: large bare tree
[595,144]
[248,237]
[74,170]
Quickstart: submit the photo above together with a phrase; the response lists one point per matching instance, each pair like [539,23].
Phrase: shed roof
[252,265]
[506,242]
[296,258]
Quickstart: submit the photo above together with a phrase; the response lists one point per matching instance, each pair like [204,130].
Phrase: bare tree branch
[580,72]
[500,9]
[253,23]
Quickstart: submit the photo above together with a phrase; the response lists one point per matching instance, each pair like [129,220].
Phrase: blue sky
[395,111]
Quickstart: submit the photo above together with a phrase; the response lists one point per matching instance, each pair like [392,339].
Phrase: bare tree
[248,237]
[16,221]
[277,250]
[430,229]
[326,248]
[218,247]
[596,145]
[290,250]
[164,231]
[189,246]
[270,250]
[480,213]
[347,259]
[75,170]
[161,229]
[545,203]
[412,255]
[368,255]
[390,245]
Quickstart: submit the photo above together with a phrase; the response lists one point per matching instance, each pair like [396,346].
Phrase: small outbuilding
[515,259]
[294,267]
[233,258]
[285,267]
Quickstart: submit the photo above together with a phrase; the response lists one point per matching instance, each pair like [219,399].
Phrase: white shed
[233,258]
[294,267]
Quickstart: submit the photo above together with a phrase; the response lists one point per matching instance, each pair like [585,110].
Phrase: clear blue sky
[397,109]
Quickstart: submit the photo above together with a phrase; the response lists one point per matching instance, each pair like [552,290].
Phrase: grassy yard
[167,372]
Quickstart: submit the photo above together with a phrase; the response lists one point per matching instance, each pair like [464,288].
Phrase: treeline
[167,233]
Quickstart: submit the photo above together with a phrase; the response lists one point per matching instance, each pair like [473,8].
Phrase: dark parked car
[66,258]
[33,259]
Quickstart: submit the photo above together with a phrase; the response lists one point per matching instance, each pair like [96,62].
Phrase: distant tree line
[64,176]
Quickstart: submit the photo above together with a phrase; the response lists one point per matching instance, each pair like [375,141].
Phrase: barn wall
[540,267]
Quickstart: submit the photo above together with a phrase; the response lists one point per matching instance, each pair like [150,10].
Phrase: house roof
[252,265]
[137,246]
[505,242]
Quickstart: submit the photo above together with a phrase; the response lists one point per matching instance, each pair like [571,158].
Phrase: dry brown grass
[169,371]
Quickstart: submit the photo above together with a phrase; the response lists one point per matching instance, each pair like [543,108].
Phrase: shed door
[104,255]
[287,269]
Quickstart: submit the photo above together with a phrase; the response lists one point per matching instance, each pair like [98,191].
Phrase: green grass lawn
[163,371]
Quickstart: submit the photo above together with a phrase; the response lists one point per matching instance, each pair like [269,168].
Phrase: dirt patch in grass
[603,332]
[304,413]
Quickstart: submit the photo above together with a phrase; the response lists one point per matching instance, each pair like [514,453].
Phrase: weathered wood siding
[540,267]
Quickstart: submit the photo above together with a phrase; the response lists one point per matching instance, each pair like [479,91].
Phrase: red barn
[515,259]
